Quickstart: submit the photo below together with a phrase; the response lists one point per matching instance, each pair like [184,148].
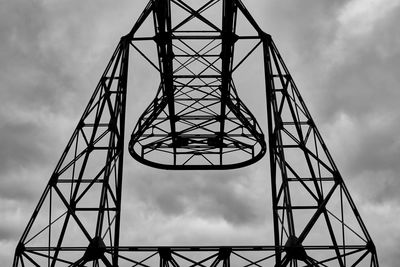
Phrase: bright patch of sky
[358,17]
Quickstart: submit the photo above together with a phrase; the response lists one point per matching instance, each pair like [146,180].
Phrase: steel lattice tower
[196,121]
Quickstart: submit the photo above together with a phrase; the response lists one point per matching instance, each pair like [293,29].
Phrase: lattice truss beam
[316,221]
[195,121]
[78,215]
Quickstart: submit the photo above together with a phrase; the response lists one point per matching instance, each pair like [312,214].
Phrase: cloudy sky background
[343,55]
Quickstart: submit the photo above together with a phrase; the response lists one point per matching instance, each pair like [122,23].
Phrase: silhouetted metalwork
[196,121]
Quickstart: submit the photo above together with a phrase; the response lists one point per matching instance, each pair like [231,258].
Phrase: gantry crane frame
[100,135]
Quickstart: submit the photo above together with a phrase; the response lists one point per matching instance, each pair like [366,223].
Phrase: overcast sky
[343,55]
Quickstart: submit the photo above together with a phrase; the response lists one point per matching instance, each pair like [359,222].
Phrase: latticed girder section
[182,256]
[238,256]
[241,256]
[196,120]
[311,204]
[211,256]
[81,203]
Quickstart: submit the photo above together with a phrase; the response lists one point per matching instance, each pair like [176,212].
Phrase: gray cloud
[16,148]
[362,88]
[365,82]
[228,195]
[24,147]
[30,76]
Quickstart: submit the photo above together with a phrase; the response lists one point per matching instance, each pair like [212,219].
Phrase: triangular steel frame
[82,200]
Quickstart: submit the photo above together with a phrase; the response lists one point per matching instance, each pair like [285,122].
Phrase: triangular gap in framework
[344,219]
[144,25]
[144,59]
[251,258]
[143,258]
[213,13]
[199,16]
[51,233]
[320,236]
[247,44]
[192,159]
[144,54]
[143,50]
[46,228]
[44,259]
[245,23]
[196,57]
[247,52]
[349,253]
[244,28]
[185,258]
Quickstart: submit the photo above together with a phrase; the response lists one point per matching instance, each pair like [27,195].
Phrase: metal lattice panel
[196,120]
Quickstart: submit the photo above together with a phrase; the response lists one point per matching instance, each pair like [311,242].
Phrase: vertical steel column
[272,136]
[162,23]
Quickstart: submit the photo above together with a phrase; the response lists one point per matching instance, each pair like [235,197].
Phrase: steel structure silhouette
[196,121]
